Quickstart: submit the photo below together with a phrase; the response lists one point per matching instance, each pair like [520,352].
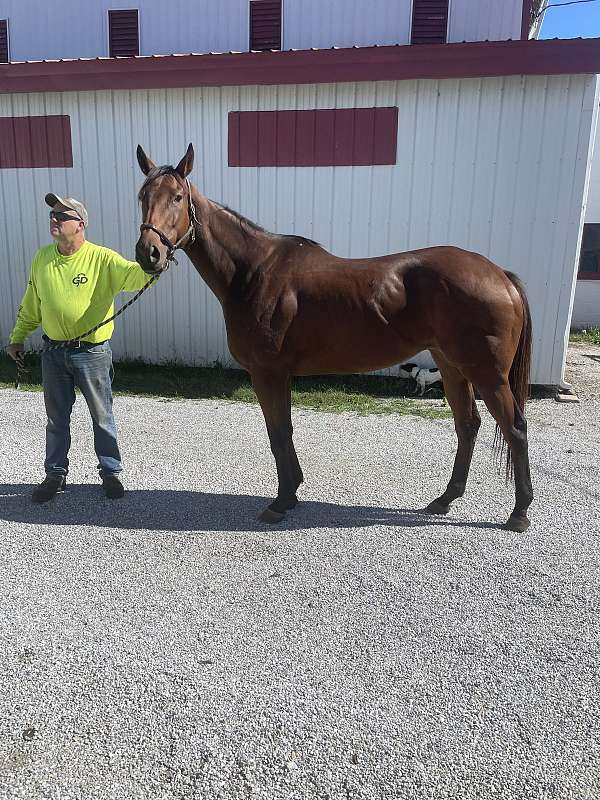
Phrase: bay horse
[292,308]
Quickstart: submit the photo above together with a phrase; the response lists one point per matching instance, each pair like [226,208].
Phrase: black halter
[191,231]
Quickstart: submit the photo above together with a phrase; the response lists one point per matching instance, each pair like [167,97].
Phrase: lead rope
[23,370]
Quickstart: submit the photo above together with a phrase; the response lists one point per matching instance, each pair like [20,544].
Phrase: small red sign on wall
[321,138]
[27,142]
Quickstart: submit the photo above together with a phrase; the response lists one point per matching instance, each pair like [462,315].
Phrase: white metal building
[492,153]
[586,307]
[81,30]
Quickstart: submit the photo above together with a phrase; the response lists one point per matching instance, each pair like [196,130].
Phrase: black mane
[255,227]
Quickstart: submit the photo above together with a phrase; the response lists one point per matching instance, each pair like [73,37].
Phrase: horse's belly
[352,350]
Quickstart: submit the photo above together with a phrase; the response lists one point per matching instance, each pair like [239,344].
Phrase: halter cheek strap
[191,231]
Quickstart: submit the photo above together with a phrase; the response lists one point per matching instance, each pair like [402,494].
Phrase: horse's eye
[178,198]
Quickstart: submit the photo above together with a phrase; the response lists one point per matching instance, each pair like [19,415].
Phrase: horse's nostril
[154,255]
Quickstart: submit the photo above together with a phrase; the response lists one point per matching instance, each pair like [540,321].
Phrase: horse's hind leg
[459,394]
[274,395]
[503,407]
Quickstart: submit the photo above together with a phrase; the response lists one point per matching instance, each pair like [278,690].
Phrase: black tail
[521,366]
[519,372]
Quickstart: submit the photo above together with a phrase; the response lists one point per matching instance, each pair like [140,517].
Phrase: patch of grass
[363,394]
[589,335]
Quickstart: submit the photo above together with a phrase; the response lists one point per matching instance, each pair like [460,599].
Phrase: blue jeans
[90,368]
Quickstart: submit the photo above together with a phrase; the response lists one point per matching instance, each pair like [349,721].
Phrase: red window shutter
[123,33]
[32,142]
[589,257]
[4,41]
[265,24]
[334,137]
[429,22]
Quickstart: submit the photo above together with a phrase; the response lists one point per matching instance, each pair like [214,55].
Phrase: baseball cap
[70,203]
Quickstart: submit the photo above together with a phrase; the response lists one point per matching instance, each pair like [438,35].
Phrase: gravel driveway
[168,646]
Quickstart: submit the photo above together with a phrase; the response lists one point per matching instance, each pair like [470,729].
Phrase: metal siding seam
[442,161]
[484,192]
[540,245]
[548,344]
[526,217]
[22,105]
[506,172]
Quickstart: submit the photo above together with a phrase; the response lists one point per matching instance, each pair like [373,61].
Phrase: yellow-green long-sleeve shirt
[68,295]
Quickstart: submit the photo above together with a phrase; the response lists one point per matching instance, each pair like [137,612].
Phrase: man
[72,286]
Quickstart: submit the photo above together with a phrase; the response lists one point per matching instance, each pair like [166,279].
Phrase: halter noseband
[191,231]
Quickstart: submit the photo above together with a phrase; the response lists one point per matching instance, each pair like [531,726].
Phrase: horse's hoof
[517,524]
[437,508]
[270,516]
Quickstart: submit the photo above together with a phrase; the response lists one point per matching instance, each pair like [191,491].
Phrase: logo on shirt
[79,279]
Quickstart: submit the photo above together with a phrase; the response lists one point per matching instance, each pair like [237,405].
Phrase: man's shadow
[170,510]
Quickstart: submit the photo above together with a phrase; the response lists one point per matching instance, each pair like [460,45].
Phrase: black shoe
[51,485]
[113,488]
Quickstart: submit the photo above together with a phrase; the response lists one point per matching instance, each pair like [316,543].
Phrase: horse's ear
[146,164]
[187,162]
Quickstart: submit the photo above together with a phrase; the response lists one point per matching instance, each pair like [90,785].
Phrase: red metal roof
[398,62]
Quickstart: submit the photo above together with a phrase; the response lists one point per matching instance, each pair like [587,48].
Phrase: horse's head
[167,211]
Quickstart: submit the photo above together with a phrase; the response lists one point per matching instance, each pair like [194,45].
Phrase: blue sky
[567,22]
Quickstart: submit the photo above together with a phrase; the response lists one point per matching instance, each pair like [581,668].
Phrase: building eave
[400,62]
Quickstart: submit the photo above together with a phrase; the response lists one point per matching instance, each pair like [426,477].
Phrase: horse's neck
[225,253]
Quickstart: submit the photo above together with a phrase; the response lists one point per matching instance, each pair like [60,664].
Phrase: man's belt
[71,344]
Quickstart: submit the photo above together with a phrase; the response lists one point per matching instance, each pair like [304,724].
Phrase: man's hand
[17,352]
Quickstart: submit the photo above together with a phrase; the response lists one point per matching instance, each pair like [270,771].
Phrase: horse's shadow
[171,510]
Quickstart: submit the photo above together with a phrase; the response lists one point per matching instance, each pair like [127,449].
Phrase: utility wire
[556,5]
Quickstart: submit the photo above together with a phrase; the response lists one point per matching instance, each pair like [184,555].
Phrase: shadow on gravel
[592,356]
[170,510]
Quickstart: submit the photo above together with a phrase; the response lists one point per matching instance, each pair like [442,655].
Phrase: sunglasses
[61,216]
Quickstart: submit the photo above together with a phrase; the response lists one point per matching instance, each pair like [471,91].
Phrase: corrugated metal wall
[485,19]
[339,23]
[47,31]
[38,30]
[495,165]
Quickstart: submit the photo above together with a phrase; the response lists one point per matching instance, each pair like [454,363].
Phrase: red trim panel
[589,255]
[325,138]
[526,18]
[461,60]
[35,142]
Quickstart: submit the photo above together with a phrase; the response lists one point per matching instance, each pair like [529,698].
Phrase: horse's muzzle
[150,258]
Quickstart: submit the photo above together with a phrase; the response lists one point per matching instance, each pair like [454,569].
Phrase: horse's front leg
[273,390]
